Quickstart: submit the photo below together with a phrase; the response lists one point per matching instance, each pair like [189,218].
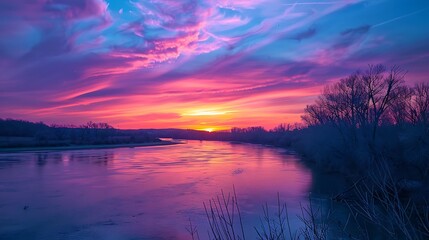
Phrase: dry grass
[378,202]
[225,221]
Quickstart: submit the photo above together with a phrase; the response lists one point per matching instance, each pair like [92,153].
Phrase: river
[145,192]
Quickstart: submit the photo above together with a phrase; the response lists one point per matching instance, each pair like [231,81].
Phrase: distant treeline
[19,133]
[258,134]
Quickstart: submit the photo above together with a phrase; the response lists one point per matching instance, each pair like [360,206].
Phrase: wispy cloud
[399,18]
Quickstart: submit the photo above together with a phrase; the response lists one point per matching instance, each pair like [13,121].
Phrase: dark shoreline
[84,147]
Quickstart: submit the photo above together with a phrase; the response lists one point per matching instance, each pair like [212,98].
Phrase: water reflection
[90,157]
[141,192]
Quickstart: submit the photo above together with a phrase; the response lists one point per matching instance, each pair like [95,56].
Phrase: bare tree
[401,107]
[365,100]
[419,109]
[315,115]
[381,90]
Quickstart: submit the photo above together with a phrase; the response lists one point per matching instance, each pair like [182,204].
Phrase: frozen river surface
[142,193]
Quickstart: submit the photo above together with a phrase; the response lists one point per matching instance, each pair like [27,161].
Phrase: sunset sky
[200,64]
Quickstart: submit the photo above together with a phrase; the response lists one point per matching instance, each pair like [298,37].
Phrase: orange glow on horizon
[180,109]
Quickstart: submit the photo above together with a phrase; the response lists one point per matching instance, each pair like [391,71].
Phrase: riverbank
[84,147]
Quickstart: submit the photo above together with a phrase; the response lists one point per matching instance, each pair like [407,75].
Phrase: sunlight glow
[207,129]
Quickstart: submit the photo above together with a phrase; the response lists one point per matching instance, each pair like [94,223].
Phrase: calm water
[142,193]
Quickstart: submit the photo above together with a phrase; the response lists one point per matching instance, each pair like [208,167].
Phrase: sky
[195,64]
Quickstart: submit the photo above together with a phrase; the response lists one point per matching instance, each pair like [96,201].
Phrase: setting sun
[208,129]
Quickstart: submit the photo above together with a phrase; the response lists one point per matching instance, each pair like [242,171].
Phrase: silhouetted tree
[382,89]
[360,100]
[400,109]
[419,107]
